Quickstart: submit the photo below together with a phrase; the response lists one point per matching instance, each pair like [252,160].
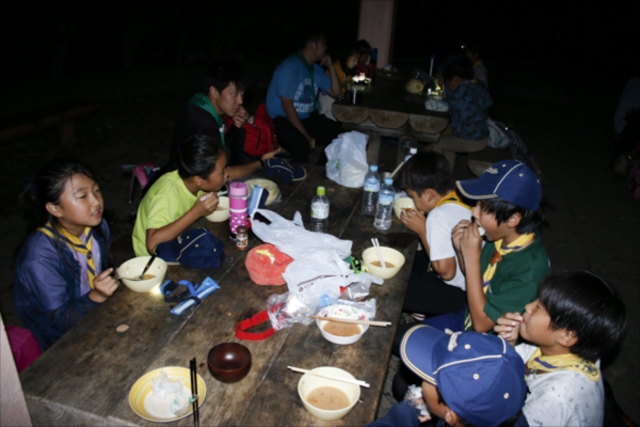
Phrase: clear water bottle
[320,211]
[371,188]
[384,209]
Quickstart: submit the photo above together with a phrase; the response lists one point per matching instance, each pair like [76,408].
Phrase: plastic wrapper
[347,159]
[291,238]
[413,396]
[368,308]
[163,387]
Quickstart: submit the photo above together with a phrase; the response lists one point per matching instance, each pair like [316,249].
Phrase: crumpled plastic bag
[291,238]
[347,159]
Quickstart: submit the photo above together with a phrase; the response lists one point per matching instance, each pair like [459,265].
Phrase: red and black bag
[259,137]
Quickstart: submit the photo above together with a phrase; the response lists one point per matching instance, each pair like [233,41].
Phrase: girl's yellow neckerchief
[75,244]
[570,361]
[500,251]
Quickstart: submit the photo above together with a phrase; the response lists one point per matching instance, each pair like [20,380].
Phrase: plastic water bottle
[412,151]
[320,211]
[371,188]
[384,209]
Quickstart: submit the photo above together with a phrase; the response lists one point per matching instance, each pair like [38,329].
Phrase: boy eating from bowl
[468,378]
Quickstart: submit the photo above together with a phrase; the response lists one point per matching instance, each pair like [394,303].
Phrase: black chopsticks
[194,392]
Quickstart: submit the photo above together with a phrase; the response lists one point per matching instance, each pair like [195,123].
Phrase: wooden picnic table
[387,109]
[85,378]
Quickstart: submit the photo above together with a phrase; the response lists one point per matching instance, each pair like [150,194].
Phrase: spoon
[146,267]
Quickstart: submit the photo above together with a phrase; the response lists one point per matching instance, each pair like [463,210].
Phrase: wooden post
[376,25]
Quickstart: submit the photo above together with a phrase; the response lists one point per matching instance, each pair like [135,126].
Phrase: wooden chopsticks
[359,322]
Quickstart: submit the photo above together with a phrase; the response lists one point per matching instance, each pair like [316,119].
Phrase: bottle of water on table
[320,211]
[371,189]
[384,209]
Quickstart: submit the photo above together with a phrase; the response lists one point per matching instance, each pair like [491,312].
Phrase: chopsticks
[330,377]
[194,392]
[395,171]
[376,245]
[359,322]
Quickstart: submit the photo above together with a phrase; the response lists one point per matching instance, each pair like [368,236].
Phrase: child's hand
[271,154]
[457,232]
[470,243]
[415,221]
[206,204]
[104,286]
[508,327]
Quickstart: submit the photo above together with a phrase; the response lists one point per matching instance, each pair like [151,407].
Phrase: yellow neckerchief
[452,197]
[500,251]
[75,244]
[563,361]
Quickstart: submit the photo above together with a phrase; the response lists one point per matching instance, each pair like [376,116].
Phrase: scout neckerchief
[309,67]
[202,100]
[570,361]
[75,244]
[500,251]
[452,197]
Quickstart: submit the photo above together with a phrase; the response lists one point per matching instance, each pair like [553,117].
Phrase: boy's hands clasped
[508,327]
[415,221]
[467,241]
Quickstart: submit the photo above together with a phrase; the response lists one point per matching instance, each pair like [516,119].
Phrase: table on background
[85,378]
[386,109]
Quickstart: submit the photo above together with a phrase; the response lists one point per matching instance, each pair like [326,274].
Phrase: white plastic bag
[347,159]
[291,237]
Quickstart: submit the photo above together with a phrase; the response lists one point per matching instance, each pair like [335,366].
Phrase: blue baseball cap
[480,376]
[510,180]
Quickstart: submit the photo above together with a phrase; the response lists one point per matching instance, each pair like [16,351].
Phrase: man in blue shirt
[292,98]
[469,103]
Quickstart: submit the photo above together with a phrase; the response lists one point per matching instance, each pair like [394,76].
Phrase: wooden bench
[63,114]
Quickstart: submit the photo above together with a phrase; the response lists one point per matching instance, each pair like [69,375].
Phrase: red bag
[259,137]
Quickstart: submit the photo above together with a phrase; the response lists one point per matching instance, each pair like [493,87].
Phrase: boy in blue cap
[467,378]
[577,320]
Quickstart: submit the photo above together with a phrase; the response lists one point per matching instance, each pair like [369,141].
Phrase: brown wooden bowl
[229,362]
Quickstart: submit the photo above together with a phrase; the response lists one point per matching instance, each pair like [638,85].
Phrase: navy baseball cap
[480,376]
[510,180]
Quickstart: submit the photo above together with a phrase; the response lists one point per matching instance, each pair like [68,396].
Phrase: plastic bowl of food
[402,204]
[325,398]
[342,333]
[393,259]
[131,269]
[229,362]
[222,211]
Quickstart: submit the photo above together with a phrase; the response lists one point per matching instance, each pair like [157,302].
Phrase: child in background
[577,320]
[469,104]
[467,379]
[63,269]
[344,64]
[473,53]
[364,49]
[436,285]
[177,199]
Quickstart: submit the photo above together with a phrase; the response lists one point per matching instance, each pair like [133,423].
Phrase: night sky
[43,38]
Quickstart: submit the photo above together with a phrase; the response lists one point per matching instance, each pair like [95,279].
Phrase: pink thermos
[237,205]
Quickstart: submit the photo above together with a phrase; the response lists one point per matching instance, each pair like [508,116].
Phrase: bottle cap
[373,168]
[238,189]
[321,191]
[413,150]
[388,181]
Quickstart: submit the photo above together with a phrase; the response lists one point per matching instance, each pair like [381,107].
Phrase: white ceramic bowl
[345,312]
[309,382]
[272,187]
[134,267]
[402,203]
[222,211]
[390,255]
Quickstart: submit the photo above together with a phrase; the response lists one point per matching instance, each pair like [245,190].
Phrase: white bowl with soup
[325,398]
[338,332]
[222,211]
[130,270]
[393,260]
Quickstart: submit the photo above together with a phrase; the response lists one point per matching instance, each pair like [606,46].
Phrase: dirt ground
[592,220]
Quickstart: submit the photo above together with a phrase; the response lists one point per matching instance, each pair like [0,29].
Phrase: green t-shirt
[165,202]
[515,282]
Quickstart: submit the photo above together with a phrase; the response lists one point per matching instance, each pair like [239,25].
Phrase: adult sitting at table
[469,102]
[292,98]
[178,198]
[206,113]
[63,268]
